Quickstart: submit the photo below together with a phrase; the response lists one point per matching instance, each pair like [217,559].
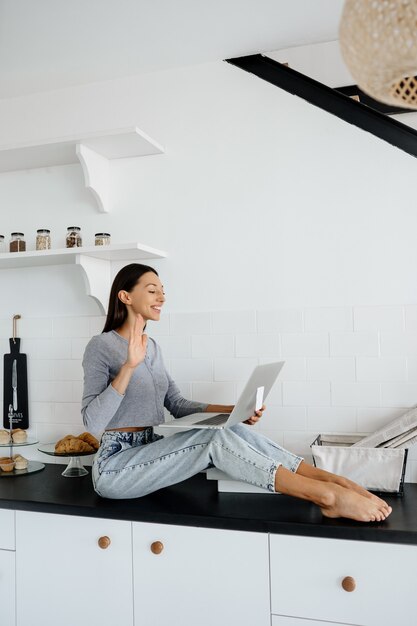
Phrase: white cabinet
[7,539]
[279,620]
[309,578]
[7,568]
[190,576]
[64,577]
[7,588]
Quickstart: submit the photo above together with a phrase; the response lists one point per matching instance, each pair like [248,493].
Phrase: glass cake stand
[33,466]
[75,467]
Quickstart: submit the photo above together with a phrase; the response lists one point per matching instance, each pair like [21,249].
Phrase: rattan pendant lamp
[378,41]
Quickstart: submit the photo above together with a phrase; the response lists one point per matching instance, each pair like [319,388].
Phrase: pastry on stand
[73,447]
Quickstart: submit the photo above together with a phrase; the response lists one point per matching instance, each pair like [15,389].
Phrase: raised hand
[138,342]
[256,416]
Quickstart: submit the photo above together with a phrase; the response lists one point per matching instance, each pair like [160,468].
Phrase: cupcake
[4,437]
[19,435]
[6,464]
[20,463]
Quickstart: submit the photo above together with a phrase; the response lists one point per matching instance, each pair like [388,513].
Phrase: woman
[126,388]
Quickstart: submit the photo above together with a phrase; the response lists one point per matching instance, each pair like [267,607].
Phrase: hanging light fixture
[378,41]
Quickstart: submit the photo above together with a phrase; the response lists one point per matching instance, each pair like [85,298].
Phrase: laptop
[254,393]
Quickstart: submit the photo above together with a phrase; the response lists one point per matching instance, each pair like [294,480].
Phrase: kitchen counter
[196,502]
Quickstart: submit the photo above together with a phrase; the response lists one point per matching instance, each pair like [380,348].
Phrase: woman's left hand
[256,416]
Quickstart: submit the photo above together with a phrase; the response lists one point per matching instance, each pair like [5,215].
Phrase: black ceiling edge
[388,109]
[330,100]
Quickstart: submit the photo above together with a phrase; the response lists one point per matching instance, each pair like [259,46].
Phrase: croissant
[70,444]
[90,439]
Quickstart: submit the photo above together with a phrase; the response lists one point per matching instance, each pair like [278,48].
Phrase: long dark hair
[124,280]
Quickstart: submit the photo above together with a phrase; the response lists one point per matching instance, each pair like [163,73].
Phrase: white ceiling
[51,44]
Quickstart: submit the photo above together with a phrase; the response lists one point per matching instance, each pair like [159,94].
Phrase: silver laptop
[256,390]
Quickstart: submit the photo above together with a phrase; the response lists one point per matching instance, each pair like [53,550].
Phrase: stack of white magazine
[226,483]
[400,433]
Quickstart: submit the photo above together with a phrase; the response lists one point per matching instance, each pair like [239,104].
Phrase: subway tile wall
[348,369]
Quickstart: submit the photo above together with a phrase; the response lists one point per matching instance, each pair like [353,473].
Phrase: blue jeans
[131,465]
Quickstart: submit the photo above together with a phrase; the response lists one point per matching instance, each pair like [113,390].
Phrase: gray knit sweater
[150,389]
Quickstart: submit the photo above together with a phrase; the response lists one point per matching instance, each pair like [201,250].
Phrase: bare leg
[333,499]
[309,471]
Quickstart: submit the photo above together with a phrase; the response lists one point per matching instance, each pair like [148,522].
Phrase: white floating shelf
[94,260]
[92,150]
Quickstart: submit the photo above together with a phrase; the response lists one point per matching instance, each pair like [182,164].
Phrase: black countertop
[196,502]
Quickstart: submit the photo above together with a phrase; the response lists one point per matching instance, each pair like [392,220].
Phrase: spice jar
[43,239]
[2,249]
[74,239]
[17,242]
[102,239]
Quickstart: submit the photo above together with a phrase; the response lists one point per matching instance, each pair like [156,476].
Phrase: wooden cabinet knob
[157,547]
[349,583]
[104,542]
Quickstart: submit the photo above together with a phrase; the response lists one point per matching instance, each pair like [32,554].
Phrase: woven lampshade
[378,41]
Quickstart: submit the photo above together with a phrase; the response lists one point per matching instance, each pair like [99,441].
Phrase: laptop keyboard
[215,420]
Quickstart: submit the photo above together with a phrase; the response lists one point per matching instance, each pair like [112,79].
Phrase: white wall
[269,209]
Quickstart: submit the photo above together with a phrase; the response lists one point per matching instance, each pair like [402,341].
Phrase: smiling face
[146,297]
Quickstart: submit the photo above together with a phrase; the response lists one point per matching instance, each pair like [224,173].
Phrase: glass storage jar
[43,239]
[2,248]
[74,238]
[17,242]
[102,239]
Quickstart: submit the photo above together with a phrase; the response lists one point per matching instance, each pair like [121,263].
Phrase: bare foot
[349,484]
[307,470]
[342,502]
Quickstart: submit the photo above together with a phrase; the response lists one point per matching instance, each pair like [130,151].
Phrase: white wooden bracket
[96,175]
[96,275]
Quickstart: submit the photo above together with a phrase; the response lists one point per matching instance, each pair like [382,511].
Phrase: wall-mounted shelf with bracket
[95,262]
[93,151]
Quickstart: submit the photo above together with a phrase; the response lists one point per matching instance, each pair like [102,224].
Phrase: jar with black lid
[102,239]
[2,249]
[17,242]
[43,239]
[74,238]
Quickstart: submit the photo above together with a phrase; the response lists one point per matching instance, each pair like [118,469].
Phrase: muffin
[6,464]
[20,463]
[4,437]
[19,435]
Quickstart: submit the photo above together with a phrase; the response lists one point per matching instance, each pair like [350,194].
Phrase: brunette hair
[124,280]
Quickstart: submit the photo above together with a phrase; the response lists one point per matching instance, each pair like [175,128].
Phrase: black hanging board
[21,414]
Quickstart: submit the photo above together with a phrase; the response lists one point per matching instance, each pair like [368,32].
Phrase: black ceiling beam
[388,109]
[330,100]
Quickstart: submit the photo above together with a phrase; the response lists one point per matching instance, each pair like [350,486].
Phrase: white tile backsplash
[354,344]
[399,394]
[71,327]
[333,368]
[233,322]
[306,393]
[192,369]
[328,319]
[178,346]
[212,346]
[280,321]
[356,394]
[304,344]
[381,369]
[254,345]
[190,323]
[398,344]
[347,369]
[378,318]
[215,392]
[233,369]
